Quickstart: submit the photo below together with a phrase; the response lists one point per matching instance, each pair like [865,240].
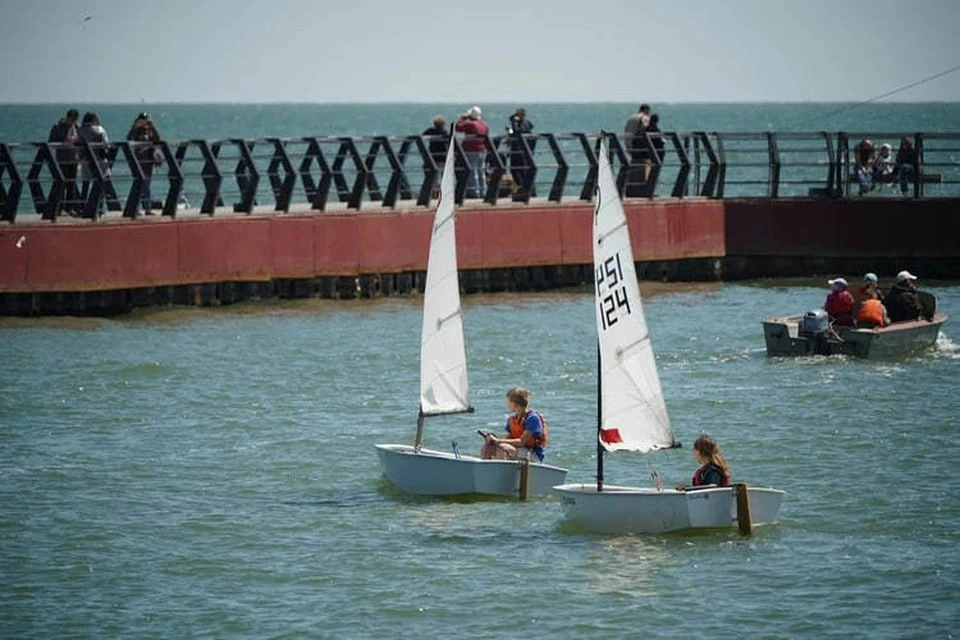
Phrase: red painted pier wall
[112,266]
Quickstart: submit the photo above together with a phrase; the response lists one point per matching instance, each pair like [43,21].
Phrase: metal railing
[316,173]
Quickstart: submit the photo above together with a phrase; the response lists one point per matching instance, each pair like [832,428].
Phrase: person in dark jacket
[902,301]
[518,127]
[66,135]
[139,122]
[437,140]
[906,162]
[93,133]
[149,156]
[713,470]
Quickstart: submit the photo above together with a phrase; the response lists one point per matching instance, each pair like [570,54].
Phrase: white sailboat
[632,413]
[444,389]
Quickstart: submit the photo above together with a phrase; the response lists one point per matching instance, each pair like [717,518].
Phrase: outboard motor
[814,328]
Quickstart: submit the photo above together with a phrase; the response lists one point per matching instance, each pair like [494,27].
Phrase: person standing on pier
[437,140]
[66,135]
[636,126]
[149,156]
[518,127]
[474,147]
[93,133]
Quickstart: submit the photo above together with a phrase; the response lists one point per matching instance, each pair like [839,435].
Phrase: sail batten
[634,414]
[444,388]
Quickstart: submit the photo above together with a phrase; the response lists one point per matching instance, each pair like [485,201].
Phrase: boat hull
[623,510]
[437,473]
[783,338]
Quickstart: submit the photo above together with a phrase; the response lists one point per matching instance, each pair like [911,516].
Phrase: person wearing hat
[840,303]
[903,304]
[871,312]
[870,288]
[474,147]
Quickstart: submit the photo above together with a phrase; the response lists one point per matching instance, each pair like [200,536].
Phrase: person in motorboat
[871,313]
[713,470]
[526,429]
[871,288]
[840,303]
[902,302]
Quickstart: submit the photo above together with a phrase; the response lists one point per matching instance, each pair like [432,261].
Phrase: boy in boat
[840,303]
[713,468]
[526,429]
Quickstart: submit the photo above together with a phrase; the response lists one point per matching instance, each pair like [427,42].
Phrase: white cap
[838,283]
[475,112]
[905,275]
[871,278]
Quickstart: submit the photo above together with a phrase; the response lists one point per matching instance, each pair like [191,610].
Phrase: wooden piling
[743,509]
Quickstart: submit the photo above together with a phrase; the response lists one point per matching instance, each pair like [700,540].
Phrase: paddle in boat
[631,411]
[444,389]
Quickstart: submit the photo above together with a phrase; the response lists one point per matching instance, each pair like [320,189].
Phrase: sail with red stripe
[634,414]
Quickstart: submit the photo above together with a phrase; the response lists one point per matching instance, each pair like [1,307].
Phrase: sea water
[211,473]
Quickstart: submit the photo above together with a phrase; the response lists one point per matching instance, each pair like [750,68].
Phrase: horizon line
[451,103]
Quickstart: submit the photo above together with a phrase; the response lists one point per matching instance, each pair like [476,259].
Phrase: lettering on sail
[612,292]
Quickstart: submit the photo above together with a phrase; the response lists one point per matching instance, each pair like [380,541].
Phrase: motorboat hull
[625,510]
[438,473]
[784,338]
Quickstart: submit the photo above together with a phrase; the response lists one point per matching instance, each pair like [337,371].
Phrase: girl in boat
[525,429]
[713,468]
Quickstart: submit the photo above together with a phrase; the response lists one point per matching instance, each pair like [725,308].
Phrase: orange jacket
[516,428]
[871,311]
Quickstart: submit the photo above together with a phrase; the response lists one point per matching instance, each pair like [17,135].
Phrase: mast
[599,421]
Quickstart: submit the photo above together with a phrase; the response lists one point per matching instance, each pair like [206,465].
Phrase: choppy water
[196,473]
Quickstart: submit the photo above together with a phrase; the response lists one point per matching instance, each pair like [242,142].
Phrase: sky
[128,51]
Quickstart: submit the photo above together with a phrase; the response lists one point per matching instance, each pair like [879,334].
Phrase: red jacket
[472,128]
[840,305]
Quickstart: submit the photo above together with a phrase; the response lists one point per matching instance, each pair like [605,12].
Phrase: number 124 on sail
[611,292]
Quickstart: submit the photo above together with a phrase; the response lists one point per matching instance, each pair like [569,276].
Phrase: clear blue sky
[479,51]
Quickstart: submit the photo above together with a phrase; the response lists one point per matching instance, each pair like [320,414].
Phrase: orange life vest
[515,425]
[871,311]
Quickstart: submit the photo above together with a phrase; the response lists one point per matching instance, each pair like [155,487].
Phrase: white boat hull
[437,473]
[620,509]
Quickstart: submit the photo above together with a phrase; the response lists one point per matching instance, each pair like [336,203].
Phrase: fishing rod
[881,96]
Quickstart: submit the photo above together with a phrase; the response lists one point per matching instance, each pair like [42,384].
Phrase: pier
[350,217]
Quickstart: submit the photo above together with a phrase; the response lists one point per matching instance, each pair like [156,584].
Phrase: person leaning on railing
[437,140]
[93,133]
[472,124]
[148,155]
[66,135]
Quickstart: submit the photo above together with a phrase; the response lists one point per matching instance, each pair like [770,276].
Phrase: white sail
[443,358]
[634,414]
